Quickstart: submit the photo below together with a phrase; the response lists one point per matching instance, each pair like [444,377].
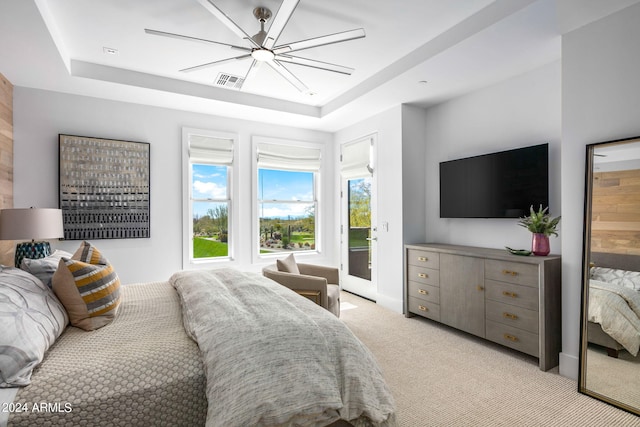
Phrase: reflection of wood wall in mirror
[616,212]
[6,161]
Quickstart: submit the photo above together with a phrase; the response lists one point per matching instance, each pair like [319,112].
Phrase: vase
[540,244]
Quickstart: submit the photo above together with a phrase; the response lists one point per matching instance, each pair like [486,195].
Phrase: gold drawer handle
[422,308]
[423,275]
[423,258]
[509,316]
[423,292]
[480,288]
[510,273]
[510,338]
[509,294]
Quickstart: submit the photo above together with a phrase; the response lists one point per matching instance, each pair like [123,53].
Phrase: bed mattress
[140,370]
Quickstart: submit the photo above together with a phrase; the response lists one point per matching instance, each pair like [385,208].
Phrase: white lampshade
[31,224]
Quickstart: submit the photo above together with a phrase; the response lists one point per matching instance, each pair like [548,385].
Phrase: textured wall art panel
[104,188]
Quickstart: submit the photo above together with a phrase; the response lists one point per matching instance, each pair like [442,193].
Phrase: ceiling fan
[262,47]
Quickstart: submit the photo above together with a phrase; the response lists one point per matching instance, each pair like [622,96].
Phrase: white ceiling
[455,46]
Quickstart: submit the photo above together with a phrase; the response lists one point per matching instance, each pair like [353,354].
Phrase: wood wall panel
[616,212]
[6,161]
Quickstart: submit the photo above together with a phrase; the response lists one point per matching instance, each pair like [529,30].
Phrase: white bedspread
[275,358]
[617,310]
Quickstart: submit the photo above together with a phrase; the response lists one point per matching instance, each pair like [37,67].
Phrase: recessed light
[110,51]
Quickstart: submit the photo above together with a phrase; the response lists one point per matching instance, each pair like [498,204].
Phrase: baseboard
[569,366]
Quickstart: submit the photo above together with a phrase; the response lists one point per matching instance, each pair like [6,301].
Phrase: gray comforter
[617,310]
[273,357]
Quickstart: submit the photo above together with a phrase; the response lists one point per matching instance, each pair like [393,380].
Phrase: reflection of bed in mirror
[627,266]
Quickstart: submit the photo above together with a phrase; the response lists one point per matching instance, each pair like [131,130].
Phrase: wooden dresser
[508,299]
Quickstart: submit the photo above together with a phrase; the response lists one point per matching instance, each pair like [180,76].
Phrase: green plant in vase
[542,225]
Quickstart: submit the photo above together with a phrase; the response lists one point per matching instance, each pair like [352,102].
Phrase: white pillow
[32,318]
[43,268]
[288,265]
[628,279]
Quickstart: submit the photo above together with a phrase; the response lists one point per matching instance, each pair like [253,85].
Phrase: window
[287,202]
[209,204]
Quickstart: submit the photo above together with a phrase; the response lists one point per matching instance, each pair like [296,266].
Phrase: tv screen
[496,185]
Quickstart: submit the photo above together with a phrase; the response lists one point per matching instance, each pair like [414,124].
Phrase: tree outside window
[210,210]
[287,210]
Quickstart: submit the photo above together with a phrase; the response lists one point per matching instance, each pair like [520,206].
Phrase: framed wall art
[104,188]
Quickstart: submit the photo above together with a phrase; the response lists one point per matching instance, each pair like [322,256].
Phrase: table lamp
[31,223]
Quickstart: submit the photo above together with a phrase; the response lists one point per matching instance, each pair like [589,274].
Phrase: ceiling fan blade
[279,22]
[288,75]
[214,63]
[255,66]
[189,38]
[320,41]
[315,64]
[215,11]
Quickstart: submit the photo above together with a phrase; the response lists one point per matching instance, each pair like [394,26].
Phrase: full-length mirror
[610,334]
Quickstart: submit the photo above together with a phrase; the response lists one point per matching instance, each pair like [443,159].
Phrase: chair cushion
[288,265]
[333,297]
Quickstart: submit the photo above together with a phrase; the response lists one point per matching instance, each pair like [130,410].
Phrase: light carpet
[443,377]
[617,378]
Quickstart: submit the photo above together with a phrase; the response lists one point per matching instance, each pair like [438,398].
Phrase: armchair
[312,278]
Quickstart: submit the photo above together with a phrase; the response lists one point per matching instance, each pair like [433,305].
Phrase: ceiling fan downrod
[261,54]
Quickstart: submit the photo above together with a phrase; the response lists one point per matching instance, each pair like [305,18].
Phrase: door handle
[372,238]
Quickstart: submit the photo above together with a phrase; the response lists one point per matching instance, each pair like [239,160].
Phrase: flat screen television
[497,185]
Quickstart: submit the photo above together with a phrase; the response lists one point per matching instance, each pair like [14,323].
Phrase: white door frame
[365,288]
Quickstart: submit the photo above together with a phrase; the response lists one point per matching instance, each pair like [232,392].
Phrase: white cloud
[208,190]
[283,211]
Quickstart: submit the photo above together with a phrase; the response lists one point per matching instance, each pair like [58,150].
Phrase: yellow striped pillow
[88,287]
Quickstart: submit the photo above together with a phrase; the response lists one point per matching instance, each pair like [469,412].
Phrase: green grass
[297,237]
[358,237]
[203,248]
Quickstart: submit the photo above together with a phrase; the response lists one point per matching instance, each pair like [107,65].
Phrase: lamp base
[32,250]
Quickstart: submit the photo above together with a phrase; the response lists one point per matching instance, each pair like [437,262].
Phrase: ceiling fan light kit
[262,46]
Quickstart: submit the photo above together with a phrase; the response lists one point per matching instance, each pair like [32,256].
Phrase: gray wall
[518,112]
[600,102]
[39,116]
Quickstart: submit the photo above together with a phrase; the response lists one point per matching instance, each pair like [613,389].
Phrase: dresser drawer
[521,296]
[512,315]
[511,272]
[424,292]
[515,338]
[424,308]
[423,258]
[428,276]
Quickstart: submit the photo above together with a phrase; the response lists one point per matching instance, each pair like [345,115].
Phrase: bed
[217,348]
[614,302]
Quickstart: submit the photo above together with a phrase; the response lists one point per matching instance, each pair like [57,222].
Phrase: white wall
[413,174]
[39,116]
[600,102]
[518,112]
[388,165]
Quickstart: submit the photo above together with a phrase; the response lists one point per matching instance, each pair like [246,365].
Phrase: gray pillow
[31,318]
[288,265]
[43,268]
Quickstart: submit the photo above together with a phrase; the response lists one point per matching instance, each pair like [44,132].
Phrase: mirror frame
[586,251]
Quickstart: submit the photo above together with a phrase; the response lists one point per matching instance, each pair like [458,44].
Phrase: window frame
[188,261]
[317,199]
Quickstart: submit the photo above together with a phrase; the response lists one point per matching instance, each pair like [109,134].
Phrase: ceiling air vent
[228,81]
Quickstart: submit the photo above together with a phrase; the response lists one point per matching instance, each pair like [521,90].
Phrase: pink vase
[540,244]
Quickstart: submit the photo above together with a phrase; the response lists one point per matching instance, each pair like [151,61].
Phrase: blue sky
[210,182]
[284,185]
